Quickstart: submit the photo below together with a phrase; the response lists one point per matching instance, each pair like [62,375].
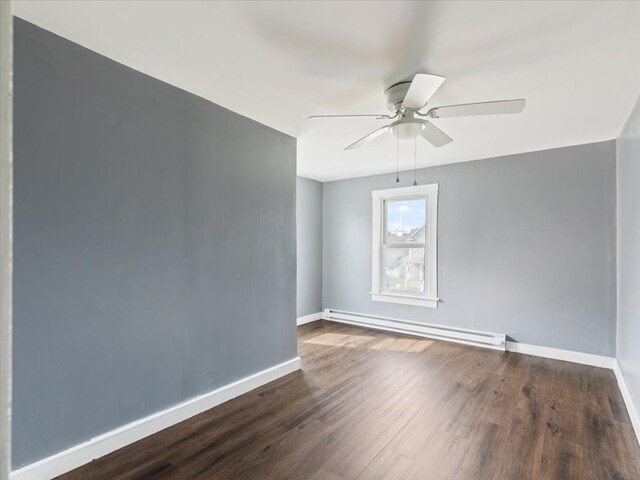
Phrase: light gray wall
[154,245]
[526,247]
[628,170]
[309,246]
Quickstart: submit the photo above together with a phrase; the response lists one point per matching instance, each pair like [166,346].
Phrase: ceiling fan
[407,98]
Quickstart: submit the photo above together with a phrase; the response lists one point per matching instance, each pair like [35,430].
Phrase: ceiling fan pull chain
[397,159]
[415,156]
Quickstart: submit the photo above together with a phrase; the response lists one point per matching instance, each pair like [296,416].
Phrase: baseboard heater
[494,341]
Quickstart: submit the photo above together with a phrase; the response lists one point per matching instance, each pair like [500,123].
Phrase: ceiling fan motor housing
[396,94]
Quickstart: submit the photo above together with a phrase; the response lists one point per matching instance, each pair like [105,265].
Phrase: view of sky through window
[405,217]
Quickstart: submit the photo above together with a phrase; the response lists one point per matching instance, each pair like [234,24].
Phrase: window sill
[405,299]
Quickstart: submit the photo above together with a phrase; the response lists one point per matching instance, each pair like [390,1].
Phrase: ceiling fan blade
[482,108]
[369,137]
[435,136]
[376,115]
[422,88]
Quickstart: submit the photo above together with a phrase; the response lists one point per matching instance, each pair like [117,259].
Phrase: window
[404,245]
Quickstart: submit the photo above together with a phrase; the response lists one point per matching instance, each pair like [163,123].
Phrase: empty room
[319,240]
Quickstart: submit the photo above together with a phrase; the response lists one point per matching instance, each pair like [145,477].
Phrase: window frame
[429,298]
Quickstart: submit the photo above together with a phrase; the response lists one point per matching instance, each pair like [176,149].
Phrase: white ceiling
[576,63]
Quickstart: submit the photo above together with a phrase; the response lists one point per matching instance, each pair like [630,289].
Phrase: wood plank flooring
[371,405]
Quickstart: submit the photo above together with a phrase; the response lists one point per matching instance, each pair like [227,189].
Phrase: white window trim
[6,235]
[430,296]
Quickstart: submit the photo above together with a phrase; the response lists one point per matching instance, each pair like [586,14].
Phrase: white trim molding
[101,445]
[495,341]
[310,318]
[558,354]
[380,245]
[634,414]
[6,232]
[405,299]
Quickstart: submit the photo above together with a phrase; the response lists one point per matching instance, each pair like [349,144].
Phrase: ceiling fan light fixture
[407,129]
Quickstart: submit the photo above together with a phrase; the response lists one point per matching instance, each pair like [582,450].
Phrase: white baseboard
[558,354]
[634,414]
[494,341]
[108,442]
[310,318]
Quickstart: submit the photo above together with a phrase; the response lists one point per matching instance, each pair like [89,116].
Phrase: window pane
[405,220]
[404,269]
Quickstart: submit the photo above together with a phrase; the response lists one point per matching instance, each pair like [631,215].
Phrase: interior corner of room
[351,241]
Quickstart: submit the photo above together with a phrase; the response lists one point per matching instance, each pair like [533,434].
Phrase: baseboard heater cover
[495,341]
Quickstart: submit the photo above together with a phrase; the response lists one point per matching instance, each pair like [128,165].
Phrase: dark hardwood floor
[376,405]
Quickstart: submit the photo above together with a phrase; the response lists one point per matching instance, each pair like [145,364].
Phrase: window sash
[405,245]
[386,244]
[400,291]
[385,212]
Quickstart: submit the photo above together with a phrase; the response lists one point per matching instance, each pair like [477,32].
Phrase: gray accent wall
[526,247]
[628,169]
[154,245]
[309,246]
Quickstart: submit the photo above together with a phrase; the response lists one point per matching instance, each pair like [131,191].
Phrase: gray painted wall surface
[154,245]
[628,170]
[309,245]
[526,247]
